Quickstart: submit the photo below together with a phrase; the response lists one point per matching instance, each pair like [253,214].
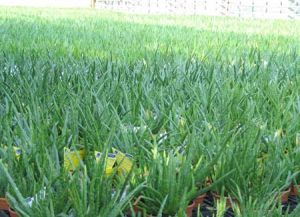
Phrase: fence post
[228,7]
[252,8]
[170,8]
[240,8]
[93,3]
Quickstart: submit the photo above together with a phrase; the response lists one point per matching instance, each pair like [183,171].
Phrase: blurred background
[48,3]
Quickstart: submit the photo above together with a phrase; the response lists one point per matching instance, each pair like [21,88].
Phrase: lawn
[107,114]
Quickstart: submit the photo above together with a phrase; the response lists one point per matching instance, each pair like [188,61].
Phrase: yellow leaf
[279,133]
[298,139]
[182,122]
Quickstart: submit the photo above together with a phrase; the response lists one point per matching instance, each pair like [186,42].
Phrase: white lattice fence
[241,8]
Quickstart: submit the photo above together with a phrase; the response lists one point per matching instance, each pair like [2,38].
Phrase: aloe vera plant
[99,195]
[3,186]
[167,183]
[216,97]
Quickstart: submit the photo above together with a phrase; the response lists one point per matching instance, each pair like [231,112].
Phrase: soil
[4,213]
[207,208]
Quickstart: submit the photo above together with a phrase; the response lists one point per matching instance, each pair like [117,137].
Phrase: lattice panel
[239,8]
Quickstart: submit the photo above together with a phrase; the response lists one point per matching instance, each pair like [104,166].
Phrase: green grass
[219,87]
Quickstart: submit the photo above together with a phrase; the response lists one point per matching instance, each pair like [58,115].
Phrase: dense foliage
[189,98]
